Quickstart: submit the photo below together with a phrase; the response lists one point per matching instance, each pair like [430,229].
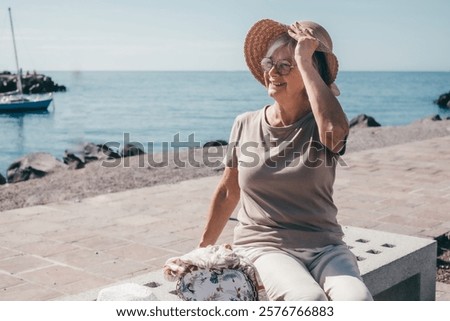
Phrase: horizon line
[197,70]
[215,70]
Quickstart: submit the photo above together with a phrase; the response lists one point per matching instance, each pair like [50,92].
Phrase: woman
[281,166]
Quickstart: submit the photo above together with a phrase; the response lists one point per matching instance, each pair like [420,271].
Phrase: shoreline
[95,179]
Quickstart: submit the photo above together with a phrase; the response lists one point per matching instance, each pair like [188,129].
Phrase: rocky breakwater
[37,165]
[32,83]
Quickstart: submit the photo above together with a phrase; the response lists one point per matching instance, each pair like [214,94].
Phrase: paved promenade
[61,249]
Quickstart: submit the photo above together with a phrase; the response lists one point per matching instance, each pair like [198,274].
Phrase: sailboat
[17,101]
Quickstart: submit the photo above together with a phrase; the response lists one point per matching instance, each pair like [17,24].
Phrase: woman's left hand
[306,42]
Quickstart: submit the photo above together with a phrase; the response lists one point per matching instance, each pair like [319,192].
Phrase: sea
[161,109]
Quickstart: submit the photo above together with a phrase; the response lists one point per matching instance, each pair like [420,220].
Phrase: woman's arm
[330,118]
[223,203]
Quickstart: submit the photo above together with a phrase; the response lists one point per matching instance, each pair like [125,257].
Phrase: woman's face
[287,86]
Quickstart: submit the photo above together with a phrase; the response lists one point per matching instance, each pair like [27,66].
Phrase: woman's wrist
[204,242]
[304,63]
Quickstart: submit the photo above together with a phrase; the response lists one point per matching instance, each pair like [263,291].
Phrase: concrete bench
[394,267]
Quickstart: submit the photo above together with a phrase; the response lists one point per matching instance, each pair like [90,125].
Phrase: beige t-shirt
[286,178]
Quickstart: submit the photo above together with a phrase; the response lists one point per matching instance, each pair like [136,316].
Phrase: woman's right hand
[306,42]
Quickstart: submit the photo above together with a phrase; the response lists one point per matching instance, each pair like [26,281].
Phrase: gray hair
[282,41]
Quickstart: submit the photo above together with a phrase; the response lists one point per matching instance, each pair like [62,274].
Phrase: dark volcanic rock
[215,143]
[84,153]
[2,180]
[34,165]
[364,121]
[109,152]
[31,83]
[443,100]
[132,150]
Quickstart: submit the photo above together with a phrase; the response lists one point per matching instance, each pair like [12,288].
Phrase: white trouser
[328,273]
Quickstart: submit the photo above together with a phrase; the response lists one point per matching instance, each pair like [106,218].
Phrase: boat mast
[19,80]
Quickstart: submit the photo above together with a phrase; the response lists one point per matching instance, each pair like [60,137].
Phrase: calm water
[100,107]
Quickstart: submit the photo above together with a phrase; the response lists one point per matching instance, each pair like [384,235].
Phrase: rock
[2,180]
[443,100]
[32,166]
[443,243]
[109,152]
[84,153]
[215,143]
[32,83]
[127,292]
[363,120]
[132,150]
[432,118]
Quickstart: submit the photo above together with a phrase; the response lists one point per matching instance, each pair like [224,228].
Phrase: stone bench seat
[394,267]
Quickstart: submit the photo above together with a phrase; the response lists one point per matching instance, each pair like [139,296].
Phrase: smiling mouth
[278,84]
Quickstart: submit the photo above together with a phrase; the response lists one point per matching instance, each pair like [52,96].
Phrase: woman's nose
[273,71]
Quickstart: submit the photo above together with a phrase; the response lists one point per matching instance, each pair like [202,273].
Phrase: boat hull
[24,106]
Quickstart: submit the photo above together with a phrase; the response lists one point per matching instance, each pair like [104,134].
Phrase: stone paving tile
[13,240]
[36,227]
[88,282]
[138,252]
[69,234]
[28,292]
[7,280]
[158,263]
[137,220]
[46,248]
[65,279]
[358,222]
[6,253]
[363,213]
[442,291]
[128,233]
[399,229]
[60,215]
[82,258]
[181,247]
[153,238]
[410,221]
[440,211]
[21,263]
[118,269]
[54,277]
[93,222]
[7,220]
[26,211]
[101,242]
[435,232]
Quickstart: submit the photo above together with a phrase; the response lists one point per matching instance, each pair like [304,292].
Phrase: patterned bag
[214,273]
[216,285]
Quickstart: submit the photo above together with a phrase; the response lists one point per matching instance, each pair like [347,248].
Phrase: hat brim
[258,40]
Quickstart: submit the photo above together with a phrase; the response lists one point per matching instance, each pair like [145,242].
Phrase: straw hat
[263,33]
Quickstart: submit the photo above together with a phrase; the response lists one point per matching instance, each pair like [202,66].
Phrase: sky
[368,35]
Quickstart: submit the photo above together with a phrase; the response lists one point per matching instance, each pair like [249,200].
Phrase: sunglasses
[283,67]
